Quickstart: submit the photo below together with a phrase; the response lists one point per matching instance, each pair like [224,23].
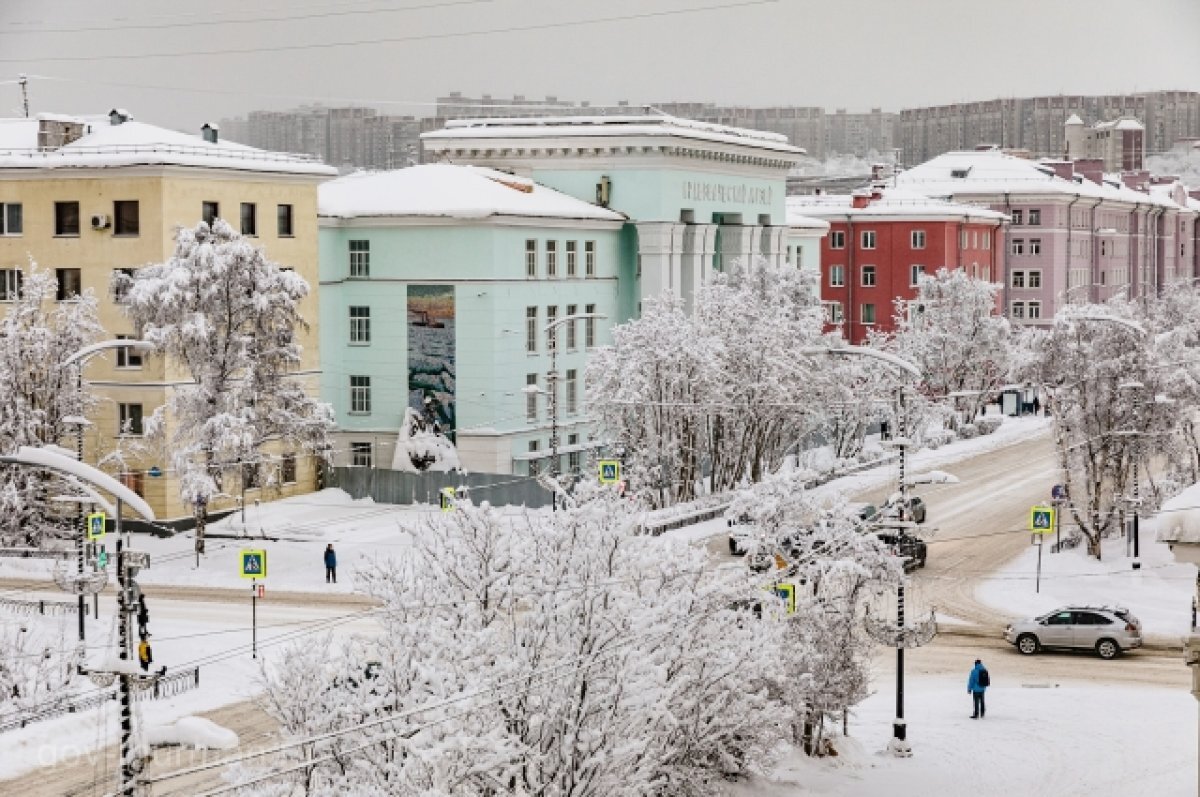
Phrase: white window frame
[6,219]
[531,258]
[551,259]
[589,258]
[531,405]
[867,239]
[572,248]
[362,454]
[360,258]
[1017,247]
[837,276]
[917,239]
[915,272]
[1018,279]
[360,325]
[1033,310]
[1016,310]
[1035,246]
[867,276]
[572,391]
[862,314]
[11,282]
[360,395]
[589,327]
[531,330]
[128,358]
[833,312]
[126,415]
[837,239]
[1018,217]
[1033,276]
[572,342]
[1035,217]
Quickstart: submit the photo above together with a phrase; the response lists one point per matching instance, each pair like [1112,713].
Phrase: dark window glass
[70,283]
[249,219]
[126,219]
[284,215]
[66,218]
[210,212]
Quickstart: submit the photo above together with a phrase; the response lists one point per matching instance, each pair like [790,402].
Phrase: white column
[696,260]
[737,243]
[660,252]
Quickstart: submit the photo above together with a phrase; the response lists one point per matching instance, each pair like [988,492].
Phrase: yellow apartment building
[85,196]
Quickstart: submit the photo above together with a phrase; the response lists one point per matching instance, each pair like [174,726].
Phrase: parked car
[913,550]
[866,513]
[916,508]
[1109,630]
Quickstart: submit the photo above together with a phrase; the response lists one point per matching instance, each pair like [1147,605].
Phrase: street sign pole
[1038,582]
[254,618]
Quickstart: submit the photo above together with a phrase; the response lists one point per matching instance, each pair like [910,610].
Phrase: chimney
[859,200]
[57,132]
[1195,194]
[1063,169]
[118,116]
[210,132]
[1136,180]
[1164,179]
[1091,169]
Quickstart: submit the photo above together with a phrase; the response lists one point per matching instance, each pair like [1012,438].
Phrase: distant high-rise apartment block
[1037,124]
[345,137]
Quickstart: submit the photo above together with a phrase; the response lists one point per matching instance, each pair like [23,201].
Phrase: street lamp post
[900,635]
[551,330]
[79,360]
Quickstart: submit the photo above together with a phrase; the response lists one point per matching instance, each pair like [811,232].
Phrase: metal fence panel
[398,487]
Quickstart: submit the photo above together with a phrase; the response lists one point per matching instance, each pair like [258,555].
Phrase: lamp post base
[1137,565]
[899,746]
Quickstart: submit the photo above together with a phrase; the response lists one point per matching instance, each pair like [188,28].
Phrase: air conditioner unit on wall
[101,222]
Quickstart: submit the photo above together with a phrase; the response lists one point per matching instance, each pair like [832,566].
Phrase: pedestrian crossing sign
[253,564]
[446,499]
[610,471]
[95,525]
[1041,519]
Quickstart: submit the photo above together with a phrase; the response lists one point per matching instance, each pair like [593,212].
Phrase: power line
[394,39]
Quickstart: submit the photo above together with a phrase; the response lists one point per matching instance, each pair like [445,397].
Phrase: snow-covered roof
[799,222]
[610,126]
[1178,520]
[993,173]
[105,145]
[1124,123]
[1074,119]
[894,203]
[443,190]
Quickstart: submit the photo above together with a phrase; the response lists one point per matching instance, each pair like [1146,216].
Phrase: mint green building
[437,281]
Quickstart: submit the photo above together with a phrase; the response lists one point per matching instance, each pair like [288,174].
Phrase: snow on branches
[228,317]
[38,395]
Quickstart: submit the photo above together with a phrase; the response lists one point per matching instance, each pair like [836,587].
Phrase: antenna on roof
[24,81]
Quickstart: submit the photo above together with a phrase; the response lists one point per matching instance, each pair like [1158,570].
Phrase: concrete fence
[398,487]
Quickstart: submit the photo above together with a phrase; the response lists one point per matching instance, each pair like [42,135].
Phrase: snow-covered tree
[228,317]
[37,395]
[1102,377]
[953,333]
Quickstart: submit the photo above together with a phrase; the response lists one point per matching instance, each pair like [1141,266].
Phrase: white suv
[1108,630]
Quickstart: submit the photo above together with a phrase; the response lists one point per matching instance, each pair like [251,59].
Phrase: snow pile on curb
[195,732]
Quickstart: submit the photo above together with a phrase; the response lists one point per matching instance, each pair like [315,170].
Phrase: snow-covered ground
[1159,594]
[1068,739]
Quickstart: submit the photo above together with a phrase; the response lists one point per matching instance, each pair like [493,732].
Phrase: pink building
[1076,234]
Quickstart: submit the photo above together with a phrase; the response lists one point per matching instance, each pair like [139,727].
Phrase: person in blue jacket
[330,564]
[977,683]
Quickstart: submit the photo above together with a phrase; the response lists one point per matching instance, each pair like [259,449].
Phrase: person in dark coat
[330,564]
[977,683]
[143,616]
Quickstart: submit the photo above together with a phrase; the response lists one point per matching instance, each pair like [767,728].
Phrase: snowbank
[195,732]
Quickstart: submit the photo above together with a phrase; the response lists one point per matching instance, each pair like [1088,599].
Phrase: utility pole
[128,770]
[24,81]
[552,384]
[899,727]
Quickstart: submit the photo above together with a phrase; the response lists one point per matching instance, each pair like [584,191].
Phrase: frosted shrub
[988,424]
[968,430]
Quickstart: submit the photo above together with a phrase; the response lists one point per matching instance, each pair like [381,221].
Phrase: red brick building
[882,239]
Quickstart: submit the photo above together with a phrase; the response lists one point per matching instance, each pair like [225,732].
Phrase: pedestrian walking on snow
[330,564]
[977,683]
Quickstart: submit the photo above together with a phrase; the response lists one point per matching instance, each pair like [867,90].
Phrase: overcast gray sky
[182,63]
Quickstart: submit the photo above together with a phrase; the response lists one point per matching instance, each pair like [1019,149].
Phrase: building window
[1035,246]
[867,313]
[589,258]
[987,240]
[70,283]
[799,255]
[360,258]
[287,469]
[1018,246]
[283,221]
[251,476]
[572,388]
[126,217]
[128,357]
[361,455]
[573,458]
[249,218]
[360,325]
[1017,217]
[868,239]
[10,218]
[531,254]
[134,480]
[837,276]
[837,240]
[1018,279]
[589,327]
[130,417]
[1034,310]
[918,239]
[531,397]
[1035,217]
[66,218]
[360,395]
[531,316]
[868,276]
[1034,279]
[534,467]
[572,258]
[833,312]
[210,212]
[572,309]
[914,274]
[551,259]
[1018,310]
[10,284]
[551,317]
[1104,248]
